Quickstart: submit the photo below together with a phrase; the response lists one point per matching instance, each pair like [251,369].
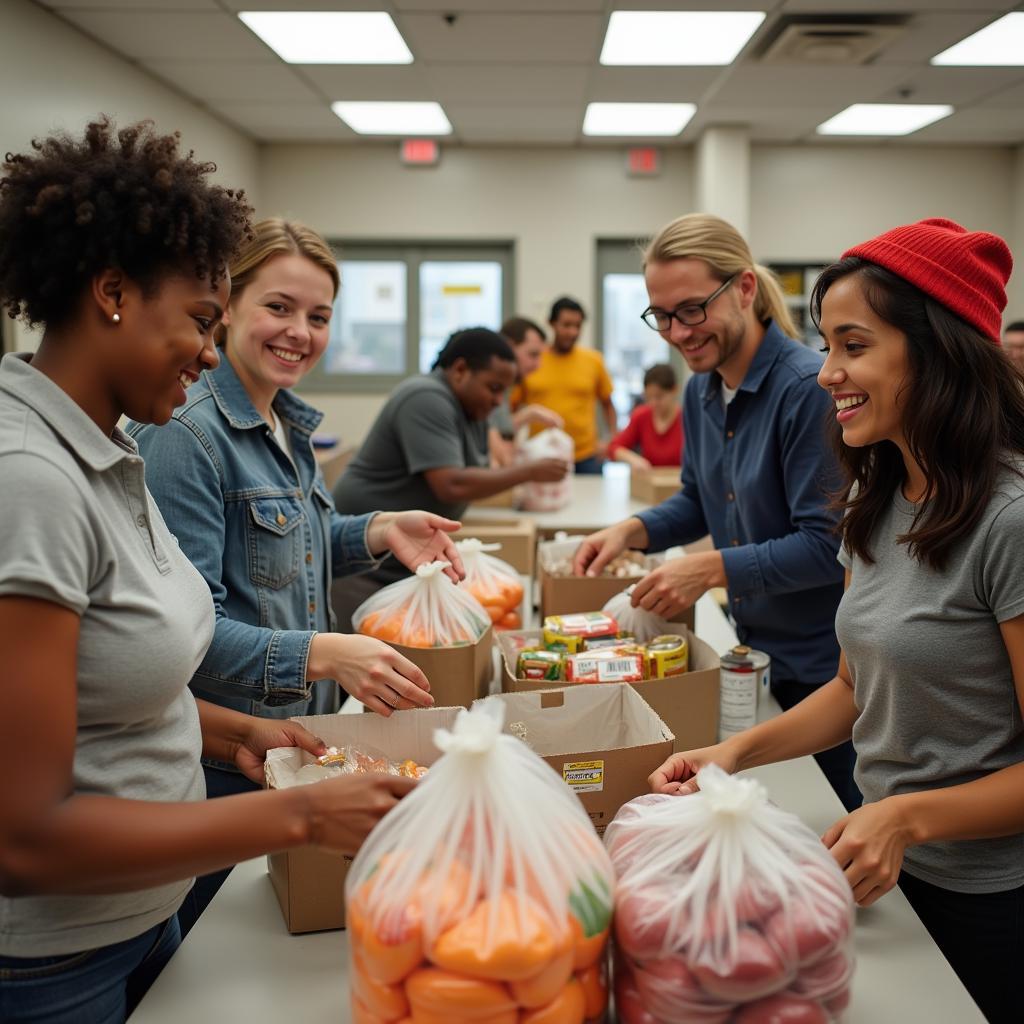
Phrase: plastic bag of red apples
[728,910]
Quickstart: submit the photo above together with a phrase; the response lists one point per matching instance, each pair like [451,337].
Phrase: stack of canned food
[589,647]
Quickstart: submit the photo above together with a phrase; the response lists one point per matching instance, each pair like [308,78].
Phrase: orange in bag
[595,991]
[494,583]
[587,950]
[435,991]
[568,1007]
[542,987]
[521,943]
[388,1002]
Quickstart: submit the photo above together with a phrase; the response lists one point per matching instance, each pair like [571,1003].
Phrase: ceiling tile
[1011,97]
[979,125]
[344,82]
[502,6]
[959,86]
[242,80]
[270,122]
[152,5]
[638,85]
[767,86]
[143,35]
[888,6]
[771,124]
[505,38]
[551,123]
[929,34]
[508,84]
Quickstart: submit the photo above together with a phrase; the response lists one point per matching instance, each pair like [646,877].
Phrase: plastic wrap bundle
[424,610]
[548,444]
[485,896]
[727,909]
[642,624]
[494,583]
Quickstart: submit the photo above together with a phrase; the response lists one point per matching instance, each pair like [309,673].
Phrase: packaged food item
[611,665]
[570,631]
[485,896]
[351,760]
[667,655]
[597,642]
[494,583]
[644,625]
[423,610]
[628,565]
[535,663]
[727,909]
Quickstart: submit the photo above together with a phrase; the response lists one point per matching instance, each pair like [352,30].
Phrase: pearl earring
[116,318]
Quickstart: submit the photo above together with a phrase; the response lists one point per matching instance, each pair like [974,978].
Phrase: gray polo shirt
[932,679]
[79,529]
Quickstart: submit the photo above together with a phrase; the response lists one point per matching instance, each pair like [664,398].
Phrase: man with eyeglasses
[756,470]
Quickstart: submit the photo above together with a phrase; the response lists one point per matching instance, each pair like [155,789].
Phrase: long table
[240,964]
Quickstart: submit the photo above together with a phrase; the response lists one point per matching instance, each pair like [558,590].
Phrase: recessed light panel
[330,37]
[388,118]
[641,119]
[884,118]
[1000,44]
[666,38]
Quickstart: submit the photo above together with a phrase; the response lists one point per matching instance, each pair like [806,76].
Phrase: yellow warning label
[584,776]
[462,289]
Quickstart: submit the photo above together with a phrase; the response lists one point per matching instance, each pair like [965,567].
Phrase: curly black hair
[124,199]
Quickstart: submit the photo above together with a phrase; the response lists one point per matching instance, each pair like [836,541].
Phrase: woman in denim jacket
[235,478]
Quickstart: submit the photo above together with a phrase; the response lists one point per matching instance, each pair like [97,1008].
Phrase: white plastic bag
[424,610]
[727,908]
[494,583]
[485,895]
[551,443]
[644,625]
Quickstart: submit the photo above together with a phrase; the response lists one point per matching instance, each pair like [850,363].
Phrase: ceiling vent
[845,42]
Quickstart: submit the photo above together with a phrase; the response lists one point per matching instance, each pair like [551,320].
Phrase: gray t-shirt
[501,419]
[422,426]
[932,678]
[79,529]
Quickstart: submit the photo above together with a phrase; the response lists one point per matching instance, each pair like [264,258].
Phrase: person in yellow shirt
[571,381]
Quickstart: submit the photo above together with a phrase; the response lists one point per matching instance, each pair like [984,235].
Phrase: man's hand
[547,471]
[597,550]
[678,583]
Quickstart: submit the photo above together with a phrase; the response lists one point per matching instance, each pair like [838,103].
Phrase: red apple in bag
[784,1008]
[806,932]
[754,969]
[826,976]
[641,922]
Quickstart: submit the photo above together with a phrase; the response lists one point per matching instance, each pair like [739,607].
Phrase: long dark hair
[963,420]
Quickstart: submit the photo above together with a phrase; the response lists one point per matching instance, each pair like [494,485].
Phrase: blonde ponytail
[704,237]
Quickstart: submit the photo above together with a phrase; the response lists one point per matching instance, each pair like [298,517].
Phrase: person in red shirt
[655,427]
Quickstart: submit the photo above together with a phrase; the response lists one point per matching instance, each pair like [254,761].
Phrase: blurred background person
[1013,343]
[654,434]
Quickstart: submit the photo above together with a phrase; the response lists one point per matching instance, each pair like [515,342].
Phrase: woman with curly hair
[118,245]
[928,424]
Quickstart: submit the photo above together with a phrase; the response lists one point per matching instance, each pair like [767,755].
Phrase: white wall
[52,76]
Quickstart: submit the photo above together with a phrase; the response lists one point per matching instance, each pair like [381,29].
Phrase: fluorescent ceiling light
[374,118]
[330,37]
[998,44]
[884,118]
[637,118]
[677,37]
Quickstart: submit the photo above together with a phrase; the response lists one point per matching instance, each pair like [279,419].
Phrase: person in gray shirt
[427,449]
[929,428]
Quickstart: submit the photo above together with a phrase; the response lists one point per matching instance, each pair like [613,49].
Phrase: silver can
[744,674]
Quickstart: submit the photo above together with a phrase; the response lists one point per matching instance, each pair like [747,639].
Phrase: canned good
[598,642]
[570,631]
[609,665]
[667,655]
[744,673]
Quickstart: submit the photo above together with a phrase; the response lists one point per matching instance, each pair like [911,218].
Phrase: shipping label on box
[653,486]
[310,882]
[604,741]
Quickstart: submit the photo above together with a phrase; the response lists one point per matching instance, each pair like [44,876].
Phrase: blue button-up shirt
[754,476]
[262,529]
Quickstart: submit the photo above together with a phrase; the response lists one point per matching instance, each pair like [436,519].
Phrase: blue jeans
[590,466]
[98,986]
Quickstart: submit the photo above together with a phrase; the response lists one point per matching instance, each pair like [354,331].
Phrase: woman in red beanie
[929,427]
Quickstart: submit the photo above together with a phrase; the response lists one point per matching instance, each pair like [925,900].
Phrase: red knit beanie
[965,270]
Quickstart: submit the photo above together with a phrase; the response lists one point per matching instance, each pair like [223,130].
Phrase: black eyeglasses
[689,315]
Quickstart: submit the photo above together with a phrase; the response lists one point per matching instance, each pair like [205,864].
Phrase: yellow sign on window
[461,289]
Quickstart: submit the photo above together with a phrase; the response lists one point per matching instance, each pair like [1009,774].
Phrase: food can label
[738,700]
[584,776]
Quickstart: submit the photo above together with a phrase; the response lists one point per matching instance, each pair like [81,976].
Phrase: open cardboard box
[604,741]
[503,499]
[310,882]
[517,536]
[653,486]
[688,704]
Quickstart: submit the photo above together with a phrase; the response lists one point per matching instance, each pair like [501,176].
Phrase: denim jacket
[263,532]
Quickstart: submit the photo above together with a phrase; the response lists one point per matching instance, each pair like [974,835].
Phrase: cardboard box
[688,704]
[458,675]
[603,740]
[516,535]
[503,499]
[309,882]
[653,486]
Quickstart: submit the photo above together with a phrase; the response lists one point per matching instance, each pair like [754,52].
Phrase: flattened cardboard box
[517,537]
[310,882]
[653,486]
[688,704]
[604,741]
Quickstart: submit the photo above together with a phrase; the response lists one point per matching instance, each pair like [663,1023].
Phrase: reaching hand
[418,537]
[678,774]
[547,471]
[264,735]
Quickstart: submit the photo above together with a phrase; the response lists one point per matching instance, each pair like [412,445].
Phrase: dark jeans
[218,783]
[982,937]
[590,466]
[99,986]
[837,763]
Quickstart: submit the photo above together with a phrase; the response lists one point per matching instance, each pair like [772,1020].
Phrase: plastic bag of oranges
[424,610]
[484,897]
[494,583]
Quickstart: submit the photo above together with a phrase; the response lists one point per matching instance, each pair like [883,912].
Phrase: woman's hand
[415,538]
[678,774]
[264,734]
[370,670]
[342,812]
[869,845]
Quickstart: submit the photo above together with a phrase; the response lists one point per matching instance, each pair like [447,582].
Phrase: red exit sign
[420,152]
[643,161]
